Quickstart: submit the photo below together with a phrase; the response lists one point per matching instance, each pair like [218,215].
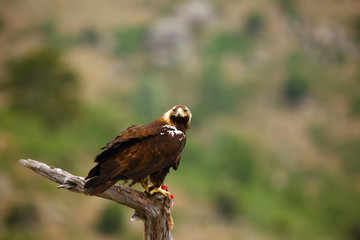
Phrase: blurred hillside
[273,86]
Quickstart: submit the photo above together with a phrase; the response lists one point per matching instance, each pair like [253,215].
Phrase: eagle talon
[160,190]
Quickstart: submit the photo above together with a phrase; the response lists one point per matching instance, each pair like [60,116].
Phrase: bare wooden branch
[154,211]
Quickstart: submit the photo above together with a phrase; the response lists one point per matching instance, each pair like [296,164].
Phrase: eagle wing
[140,151]
[134,132]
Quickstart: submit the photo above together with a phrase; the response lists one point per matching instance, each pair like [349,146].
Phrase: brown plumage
[141,151]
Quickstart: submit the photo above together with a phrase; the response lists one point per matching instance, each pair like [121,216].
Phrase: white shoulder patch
[172,131]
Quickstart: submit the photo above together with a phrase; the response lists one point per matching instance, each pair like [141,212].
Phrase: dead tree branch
[154,211]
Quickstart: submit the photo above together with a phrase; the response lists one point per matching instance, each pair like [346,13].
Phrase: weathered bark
[154,211]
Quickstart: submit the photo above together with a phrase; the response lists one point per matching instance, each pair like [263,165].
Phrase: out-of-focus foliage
[228,42]
[357,30]
[22,215]
[298,78]
[215,96]
[254,24]
[129,40]
[273,87]
[355,105]
[90,36]
[42,85]
[2,23]
[111,220]
[354,97]
[289,7]
[238,158]
[53,37]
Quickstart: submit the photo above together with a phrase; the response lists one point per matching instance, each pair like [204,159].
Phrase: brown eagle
[141,151]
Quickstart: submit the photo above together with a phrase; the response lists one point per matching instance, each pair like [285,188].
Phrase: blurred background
[273,86]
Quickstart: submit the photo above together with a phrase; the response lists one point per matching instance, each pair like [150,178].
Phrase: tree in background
[40,84]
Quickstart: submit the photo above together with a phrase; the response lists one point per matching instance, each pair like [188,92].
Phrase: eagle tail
[97,185]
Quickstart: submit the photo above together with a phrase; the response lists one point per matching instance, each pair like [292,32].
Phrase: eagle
[142,152]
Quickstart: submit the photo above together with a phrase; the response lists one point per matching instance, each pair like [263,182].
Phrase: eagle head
[179,116]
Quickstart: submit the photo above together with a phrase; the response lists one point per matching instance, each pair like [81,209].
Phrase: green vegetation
[229,173]
[90,36]
[22,215]
[352,93]
[286,172]
[298,78]
[320,135]
[42,85]
[215,95]
[254,25]
[228,42]
[356,30]
[355,105]
[2,23]
[111,220]
[149,97]
[238,159]
[350,153]
[53,37]
[129,40]
[290,7]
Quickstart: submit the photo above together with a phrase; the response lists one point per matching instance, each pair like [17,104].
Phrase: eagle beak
[180,113]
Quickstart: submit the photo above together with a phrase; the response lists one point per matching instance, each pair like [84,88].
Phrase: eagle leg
[160,190]
[145,184]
